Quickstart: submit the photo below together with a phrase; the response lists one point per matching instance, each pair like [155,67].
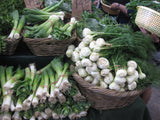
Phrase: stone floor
[154,104]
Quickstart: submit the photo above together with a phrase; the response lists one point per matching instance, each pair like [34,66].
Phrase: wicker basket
[108,10]
[48,46]
[11,45]
[103,99]
[149,19]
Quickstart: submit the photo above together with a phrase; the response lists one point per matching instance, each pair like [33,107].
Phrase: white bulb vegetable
[132,86]
[86,62]
[105,72]
[96,49]
[96,75]
[132,63]
[109,78]
[103,84]
[75,56]
[130,79]
[121,73]
[87,39]
[69,53]
[82,72]
[119,80]
[114,86]
[92,44]
[95,81]
[86,31]
[88,79]
[78,64]
[142,76]
[81,45]
[100,42]
[130,70]
[102,63]
[85,52]
[94,56]
[72,47]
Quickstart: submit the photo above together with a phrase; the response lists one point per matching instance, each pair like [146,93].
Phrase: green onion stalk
[38,16]
[65,85]
[52,97]
[60,72]
[45,92]
[16,116]
[19,27]
[9,72]
[15,16]
[40,89]
[6,97]
[35,99]
[12,81]
[22,89]
[6,116]
[44,29]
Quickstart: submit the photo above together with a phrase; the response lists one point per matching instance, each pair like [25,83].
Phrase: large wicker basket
[108,10]
[103,99]
[149,19]
[48,46]
[11,45]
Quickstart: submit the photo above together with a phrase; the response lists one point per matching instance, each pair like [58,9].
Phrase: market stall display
[103,67]
[49,92]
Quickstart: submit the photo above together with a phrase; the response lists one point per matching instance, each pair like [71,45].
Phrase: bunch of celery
[44,29]
[18,25]
[46,93]
[39,16]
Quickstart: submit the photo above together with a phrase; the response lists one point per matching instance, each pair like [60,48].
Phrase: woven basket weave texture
[48,46]
[148,19]
[11,45]
[104,99]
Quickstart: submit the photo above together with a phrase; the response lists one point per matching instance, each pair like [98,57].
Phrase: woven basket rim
[103,90]
[149,9]
[105,4]
[110,11]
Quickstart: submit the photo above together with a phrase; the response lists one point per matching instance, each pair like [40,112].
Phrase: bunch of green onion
[18,25]
[44,29]
[39,16]
[43,94]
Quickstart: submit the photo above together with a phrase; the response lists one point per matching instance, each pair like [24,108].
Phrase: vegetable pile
[116,60]
[43,94]
[48,23]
